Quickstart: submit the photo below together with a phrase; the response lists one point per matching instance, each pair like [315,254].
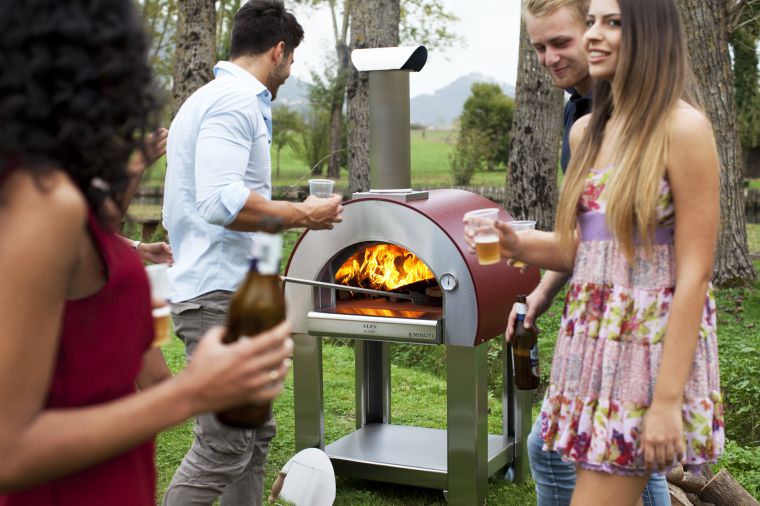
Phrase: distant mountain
[443,107]
[439,110]
[294,94]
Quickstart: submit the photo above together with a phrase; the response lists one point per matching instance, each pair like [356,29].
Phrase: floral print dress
[609,347]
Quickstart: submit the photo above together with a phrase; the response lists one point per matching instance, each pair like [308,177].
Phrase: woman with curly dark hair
[75,100]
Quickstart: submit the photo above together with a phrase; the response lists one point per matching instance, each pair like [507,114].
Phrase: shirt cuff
[232,199]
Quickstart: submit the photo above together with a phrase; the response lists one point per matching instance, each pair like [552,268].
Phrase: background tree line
[200,32]
[189,36]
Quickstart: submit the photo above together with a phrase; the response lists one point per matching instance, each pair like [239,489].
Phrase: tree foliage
[744,39]
[160,17]
[288,124]
[225,13]
[426,22]
[484,132]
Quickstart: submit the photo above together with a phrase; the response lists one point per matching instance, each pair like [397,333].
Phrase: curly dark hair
[76,91]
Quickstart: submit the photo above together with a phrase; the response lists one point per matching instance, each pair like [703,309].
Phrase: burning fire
[383,267]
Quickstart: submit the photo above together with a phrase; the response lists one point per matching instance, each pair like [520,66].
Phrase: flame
[370,311]
[383,267]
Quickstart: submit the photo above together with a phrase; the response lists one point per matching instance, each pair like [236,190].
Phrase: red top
[103,339]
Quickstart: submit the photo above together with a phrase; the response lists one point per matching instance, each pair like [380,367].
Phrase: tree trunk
[196,47]
[375,23]
[336,112]
[707,28]
[536,140]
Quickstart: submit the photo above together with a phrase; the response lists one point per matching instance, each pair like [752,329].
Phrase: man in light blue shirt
[217,192]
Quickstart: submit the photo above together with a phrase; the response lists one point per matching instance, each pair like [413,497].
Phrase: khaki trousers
[223,462]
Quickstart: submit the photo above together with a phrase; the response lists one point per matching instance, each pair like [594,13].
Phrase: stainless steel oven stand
[459,460]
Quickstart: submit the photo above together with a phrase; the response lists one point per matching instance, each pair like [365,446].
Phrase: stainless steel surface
[400,330]
[467,417]
[406,195]
[401,454]
[373,382]
[347,288]
[377,221]
[307,388]
[523,401]
[389,143]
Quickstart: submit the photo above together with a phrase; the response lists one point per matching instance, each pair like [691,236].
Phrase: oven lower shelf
[405,455]
[376,328]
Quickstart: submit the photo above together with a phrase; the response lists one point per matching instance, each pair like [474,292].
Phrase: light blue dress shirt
[217,154]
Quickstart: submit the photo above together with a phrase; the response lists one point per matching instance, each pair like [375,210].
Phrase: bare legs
[595,488]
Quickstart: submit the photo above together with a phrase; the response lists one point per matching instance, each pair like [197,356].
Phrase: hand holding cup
[158,275]
[518,226]
[321,188]
[481,234]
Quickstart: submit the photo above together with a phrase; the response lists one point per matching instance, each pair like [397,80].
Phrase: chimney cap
[410,58]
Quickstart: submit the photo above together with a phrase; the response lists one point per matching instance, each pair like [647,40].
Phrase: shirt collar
[238,72]
[575,95]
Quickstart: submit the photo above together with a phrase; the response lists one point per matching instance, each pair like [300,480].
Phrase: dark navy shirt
[577,106]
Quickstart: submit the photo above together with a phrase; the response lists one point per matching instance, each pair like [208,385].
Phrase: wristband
[136,245]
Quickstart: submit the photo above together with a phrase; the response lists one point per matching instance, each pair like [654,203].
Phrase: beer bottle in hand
[525,350]
[258,305]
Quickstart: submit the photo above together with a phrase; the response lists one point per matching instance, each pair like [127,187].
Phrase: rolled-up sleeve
[221,159]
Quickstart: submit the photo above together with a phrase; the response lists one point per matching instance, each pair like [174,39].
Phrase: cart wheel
[509,476]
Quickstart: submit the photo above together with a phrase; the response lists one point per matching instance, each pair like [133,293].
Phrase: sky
[489,28]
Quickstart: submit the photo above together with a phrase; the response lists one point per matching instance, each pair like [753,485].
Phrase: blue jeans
[555,479]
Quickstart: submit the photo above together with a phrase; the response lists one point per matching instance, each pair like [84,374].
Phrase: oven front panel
[380,221]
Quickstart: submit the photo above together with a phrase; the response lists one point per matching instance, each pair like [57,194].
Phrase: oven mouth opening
[412,290]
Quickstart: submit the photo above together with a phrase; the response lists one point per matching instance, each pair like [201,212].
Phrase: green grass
[411,389]
[738,334]
[753,237]
[739,341]
[429,159]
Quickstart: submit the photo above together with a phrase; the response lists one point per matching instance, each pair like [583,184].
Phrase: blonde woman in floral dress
[635,385]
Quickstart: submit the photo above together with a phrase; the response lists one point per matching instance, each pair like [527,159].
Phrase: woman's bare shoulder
[688,123]
[578,130]
[46,200]
[691,143]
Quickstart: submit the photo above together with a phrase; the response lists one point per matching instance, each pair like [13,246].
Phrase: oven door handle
[415,298]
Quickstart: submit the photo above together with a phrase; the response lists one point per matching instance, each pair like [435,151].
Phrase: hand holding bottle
[247,371]
[524,350]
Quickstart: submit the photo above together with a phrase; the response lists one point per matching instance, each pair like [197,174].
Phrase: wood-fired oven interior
[410,287]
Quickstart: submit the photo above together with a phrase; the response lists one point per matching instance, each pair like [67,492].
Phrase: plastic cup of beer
[518,226]
[321,188]
[480,223]
[158,275]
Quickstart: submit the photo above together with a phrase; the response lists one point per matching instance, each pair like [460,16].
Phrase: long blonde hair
[651,76]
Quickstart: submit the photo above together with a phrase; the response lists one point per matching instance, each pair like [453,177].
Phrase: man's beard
[276,79]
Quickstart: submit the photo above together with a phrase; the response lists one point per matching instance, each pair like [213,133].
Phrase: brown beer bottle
[256,306]
[524,350]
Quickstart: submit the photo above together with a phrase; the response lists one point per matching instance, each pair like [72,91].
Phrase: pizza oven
[397,270]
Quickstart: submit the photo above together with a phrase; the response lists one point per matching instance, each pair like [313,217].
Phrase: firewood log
[675,474]
[724,490]
[691,483]
[696,501]
[678,496]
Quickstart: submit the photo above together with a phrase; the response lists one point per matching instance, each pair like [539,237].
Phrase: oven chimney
[389,143]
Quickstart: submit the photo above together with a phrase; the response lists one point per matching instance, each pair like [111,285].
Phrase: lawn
[430,152]
[421,366]
[739,338]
